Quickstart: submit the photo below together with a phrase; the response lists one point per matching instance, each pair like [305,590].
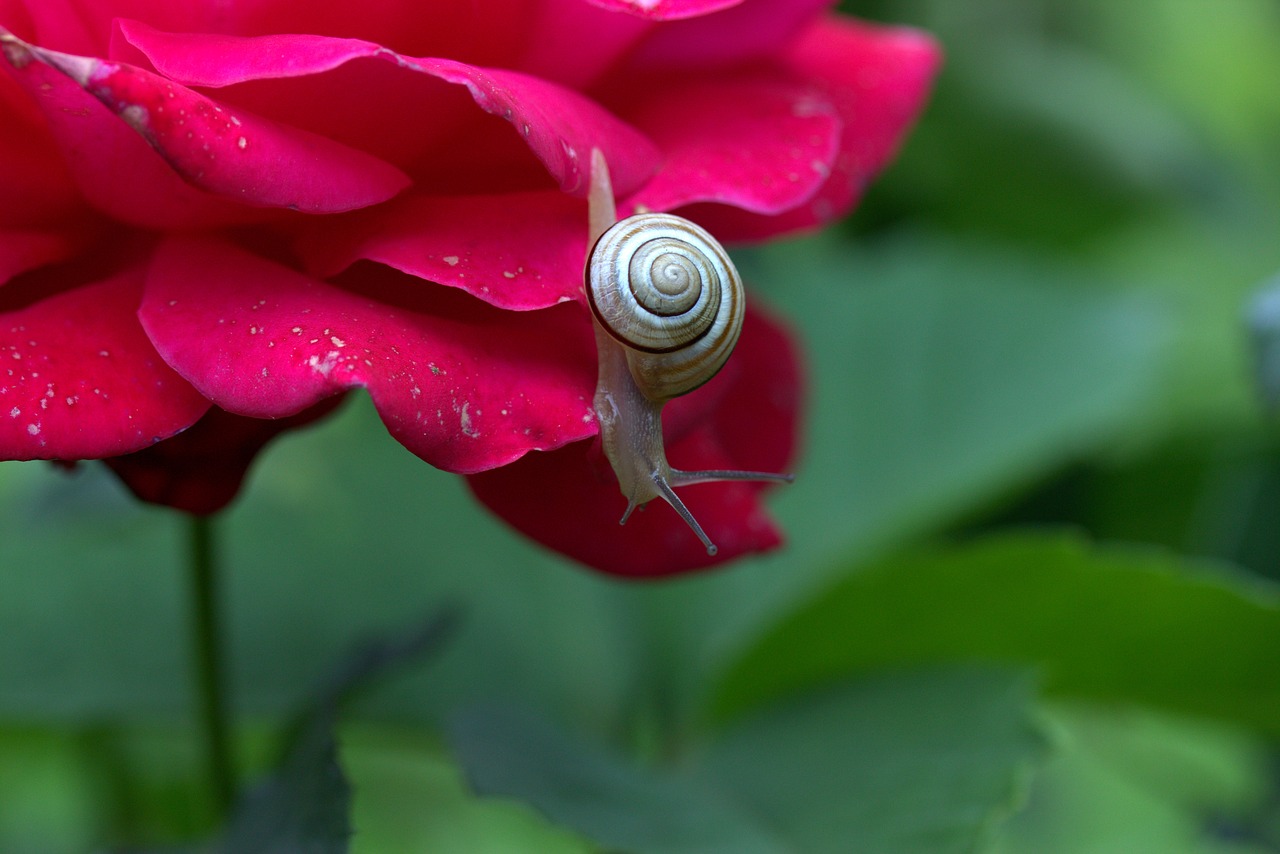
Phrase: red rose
[245,209]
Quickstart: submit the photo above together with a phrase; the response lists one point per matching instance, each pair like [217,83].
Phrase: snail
[668,306]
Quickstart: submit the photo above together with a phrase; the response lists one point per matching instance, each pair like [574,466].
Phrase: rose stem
[210,681]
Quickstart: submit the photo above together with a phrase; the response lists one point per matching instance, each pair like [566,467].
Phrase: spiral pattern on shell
[666,290]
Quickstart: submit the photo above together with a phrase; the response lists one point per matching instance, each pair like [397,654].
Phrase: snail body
[668,307]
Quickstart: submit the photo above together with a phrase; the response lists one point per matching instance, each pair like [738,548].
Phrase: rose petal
[517,251]
[232,153]
[565,501]
[34,183]
[115,169]
[26,249]
[753,142]
[574,44]
[80,380]
[665,10]
[200,470]
[215,60]
[751,31]
[878,78]
[745,418]
[559,125]
[462,385]
[84,28]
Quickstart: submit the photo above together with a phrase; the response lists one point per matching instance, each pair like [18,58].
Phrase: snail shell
[666,290]
[668,307]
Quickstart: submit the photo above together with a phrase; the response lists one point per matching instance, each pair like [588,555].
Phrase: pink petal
[200,470]
[753,142]
[747,417]
[232,153]
[516,251]
[114,167]
[574,43]
[752,31]
[878,78]
[213,60]
[665,10]
[559,125]
[80,380]
[34,183]
[462,385]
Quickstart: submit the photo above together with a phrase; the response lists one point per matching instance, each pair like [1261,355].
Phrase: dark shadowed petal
[200,469]
[878,78]
[568,501]
[745,418]
[79,379]
[23,249]
[517,251]
[463,385]
[751,141]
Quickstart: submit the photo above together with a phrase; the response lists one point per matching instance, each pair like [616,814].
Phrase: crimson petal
[517,251]
[878,78]
[464,386]
[80,380]
[569,501]
[750,141]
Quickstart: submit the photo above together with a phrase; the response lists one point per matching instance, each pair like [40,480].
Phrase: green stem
[210,678]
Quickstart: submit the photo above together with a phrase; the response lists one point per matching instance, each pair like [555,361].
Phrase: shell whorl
[666,290]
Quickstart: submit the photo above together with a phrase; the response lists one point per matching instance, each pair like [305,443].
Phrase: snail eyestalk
[668,307]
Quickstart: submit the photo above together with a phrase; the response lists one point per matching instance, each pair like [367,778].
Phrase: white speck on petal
[451,260]
[467,428]
[241,143]
[33,429]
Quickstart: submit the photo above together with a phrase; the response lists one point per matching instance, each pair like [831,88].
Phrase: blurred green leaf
[341,534]
[409,798]
[928,761]
[944,377]
[511,752]
[1121,781]
[304,805]
[919,762]
[1118,624]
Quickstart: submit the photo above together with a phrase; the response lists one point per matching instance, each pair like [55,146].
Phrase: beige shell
[666,290]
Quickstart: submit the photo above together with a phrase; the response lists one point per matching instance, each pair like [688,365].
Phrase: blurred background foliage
[1028,603]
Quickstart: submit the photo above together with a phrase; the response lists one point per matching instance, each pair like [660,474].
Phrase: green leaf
[1123,780]
[921,762]
[1118,624]
[304,805]
[410,798]
[944,377]
[511,752]
[927,761]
